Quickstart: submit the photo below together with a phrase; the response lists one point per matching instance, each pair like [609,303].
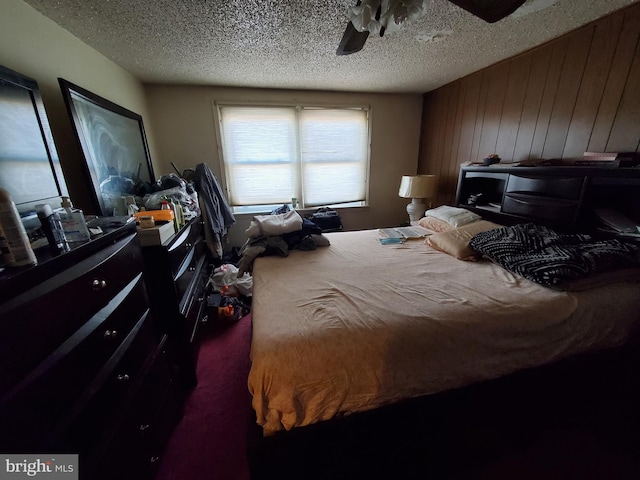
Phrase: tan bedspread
[357,325]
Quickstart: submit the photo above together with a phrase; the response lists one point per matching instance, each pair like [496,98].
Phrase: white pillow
[453,215]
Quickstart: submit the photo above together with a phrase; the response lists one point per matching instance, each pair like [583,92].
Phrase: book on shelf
[608,159]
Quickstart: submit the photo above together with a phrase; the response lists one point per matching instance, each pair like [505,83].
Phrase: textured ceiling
[292,44]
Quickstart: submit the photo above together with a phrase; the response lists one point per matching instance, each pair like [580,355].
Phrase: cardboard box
[155,235]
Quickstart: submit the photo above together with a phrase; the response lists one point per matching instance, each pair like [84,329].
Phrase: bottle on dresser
[52,228]
[14,242]
[73,222]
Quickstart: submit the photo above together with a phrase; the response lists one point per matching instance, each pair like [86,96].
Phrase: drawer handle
[188,245]
[192,269]
[123,377]
[143,428]
[110,334]
[98,284]
[204,319]
[154,459]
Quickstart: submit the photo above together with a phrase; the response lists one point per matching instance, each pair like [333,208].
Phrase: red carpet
[210,440]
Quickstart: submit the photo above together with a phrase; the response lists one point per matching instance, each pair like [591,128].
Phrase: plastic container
[158,215]
[14,242]
[73,223]
[179,213]
[52,228]
[176,224]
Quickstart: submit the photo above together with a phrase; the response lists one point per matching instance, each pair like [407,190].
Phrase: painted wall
[580,92]
[179,120]
[185,134]
[35,46]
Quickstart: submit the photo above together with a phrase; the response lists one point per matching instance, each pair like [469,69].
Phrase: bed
[359,325]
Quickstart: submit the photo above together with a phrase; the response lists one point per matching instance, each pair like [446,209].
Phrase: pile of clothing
[275,234]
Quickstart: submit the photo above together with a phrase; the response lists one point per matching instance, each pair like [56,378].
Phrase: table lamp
[417,188]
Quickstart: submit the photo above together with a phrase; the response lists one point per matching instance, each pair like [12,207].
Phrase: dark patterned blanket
[551,258]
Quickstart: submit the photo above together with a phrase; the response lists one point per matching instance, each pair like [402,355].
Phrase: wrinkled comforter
[358,325]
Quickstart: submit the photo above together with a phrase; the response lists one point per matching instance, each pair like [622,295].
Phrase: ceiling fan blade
[489,10]
[352,40]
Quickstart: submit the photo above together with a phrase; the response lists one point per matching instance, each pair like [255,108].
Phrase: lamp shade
[418,186]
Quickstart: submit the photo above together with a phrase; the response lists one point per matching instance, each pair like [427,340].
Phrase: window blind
[271,154]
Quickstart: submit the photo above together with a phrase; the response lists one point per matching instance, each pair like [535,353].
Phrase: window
[318,155]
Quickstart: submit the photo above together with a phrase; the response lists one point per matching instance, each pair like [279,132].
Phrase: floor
[212,439]
[209,443]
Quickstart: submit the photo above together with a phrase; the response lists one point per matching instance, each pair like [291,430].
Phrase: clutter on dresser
[14,242]
[81,376]
[156,234]
[73,222]
[52,228]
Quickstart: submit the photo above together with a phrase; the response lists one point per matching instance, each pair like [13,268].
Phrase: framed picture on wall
[114,146]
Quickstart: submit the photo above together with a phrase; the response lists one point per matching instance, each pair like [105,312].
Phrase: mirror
[114,146]
[29,165]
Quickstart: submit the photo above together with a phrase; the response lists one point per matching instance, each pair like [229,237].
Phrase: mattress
[358,325]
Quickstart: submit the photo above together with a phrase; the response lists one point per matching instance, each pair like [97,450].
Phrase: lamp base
[416,210]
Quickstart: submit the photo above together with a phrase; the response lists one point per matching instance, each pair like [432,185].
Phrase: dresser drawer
[35,323]
[49,392]
[140,439]
[195,309]
[539,208]
[145,409]
[185,275]
[182,245]
[556,187]
[173,274]
[98,411]
[191,268]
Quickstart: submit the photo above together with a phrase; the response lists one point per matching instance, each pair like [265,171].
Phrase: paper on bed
[404,232]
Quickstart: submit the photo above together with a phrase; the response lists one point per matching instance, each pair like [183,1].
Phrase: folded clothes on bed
[454,216]
[553,259]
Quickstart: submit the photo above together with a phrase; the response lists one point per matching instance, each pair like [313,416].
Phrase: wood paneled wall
[580,92]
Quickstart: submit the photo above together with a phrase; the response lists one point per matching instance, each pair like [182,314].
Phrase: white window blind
[271,154]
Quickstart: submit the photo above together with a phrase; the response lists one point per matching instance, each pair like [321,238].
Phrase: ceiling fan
[488,10]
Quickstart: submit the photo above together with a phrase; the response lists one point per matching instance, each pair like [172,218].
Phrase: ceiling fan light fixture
[382,16]
[385,16]
[352,41]
[490,11]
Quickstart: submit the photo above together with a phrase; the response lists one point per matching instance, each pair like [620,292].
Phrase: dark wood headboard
[564,197]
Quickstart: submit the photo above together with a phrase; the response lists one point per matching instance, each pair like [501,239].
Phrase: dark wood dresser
[85,366]
[176,273]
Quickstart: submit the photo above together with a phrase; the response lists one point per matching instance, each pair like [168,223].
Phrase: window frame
[297,106]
